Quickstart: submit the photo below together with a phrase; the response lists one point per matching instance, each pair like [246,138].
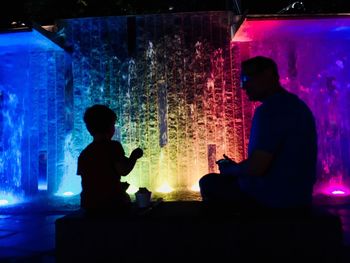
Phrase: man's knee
[207,180]
[203,181]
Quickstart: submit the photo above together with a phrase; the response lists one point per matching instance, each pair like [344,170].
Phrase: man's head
[259,77]
[100,119]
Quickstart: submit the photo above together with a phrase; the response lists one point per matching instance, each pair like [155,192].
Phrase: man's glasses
[244,79]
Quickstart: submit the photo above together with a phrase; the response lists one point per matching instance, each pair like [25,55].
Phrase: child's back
[102,163]
[100,181]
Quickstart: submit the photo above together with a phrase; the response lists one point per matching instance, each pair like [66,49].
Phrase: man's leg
[219,188]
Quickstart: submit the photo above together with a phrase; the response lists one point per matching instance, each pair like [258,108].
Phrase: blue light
[3,202]
[7,199]
[28,73]
[68,194]
[25,41]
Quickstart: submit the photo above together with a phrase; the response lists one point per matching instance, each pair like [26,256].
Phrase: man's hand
[227,165]
[226,159]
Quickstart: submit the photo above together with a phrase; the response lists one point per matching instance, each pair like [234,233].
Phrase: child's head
[100,119]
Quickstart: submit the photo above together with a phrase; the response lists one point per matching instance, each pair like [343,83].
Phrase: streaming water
[173,81]
[314,63]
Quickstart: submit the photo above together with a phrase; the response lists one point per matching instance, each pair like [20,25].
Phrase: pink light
[265,29]
[252,30]
[336,190]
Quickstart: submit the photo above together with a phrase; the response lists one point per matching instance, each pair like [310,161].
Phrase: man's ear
[270,74]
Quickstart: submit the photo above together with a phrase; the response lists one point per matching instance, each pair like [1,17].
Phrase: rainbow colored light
[178,97]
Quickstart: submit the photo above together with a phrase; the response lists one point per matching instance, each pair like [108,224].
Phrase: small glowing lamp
[165,188]
[68,193]
[195,188]
[42,186]
[338,192]
[9,199]
[3,202]
[132,189]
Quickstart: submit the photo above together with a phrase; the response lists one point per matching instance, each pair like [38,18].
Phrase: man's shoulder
[285,100]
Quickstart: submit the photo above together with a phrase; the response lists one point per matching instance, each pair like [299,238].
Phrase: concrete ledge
[183,232]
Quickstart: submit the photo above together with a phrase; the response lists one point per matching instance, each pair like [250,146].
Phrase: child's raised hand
[136,153]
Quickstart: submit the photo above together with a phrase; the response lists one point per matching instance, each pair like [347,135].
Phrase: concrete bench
[183,232]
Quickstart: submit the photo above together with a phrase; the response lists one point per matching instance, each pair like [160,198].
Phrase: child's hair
[99,119]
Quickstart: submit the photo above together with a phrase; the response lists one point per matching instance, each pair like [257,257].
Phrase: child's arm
[125,166]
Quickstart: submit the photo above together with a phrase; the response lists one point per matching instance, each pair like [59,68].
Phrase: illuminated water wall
[172,81]
[32,114]
[313,55]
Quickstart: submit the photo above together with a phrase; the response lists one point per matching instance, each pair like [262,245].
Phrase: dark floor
[27,231]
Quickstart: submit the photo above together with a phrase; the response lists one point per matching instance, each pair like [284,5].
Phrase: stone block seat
[185,231]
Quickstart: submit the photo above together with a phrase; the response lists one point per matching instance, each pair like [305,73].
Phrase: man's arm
[256,165]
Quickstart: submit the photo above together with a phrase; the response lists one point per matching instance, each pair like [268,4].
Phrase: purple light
[318,74]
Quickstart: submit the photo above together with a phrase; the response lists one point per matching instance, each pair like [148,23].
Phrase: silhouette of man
[280,170]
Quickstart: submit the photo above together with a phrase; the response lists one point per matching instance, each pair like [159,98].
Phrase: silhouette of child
[102,163]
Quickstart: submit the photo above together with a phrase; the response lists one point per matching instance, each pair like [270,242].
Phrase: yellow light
[165,188]
[132,189]
[195,187]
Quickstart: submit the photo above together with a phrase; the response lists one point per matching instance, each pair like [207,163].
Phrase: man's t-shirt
[284,126]
[101,186]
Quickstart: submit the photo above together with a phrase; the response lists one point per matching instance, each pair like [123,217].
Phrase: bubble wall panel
[172,81]
[32,110]
[313,58]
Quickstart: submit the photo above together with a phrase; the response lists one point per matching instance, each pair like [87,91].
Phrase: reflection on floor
[27,232]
